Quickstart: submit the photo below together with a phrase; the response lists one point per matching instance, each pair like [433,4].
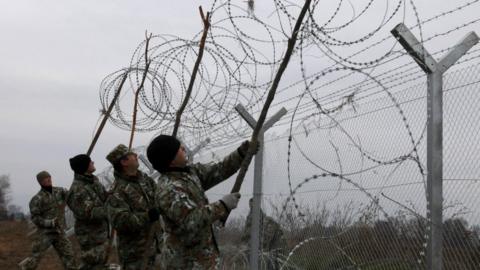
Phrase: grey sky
[55,53]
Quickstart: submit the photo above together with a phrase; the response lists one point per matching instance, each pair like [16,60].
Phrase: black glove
[153,214]
[243,148]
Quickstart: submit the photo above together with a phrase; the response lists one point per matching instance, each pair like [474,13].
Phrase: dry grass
[15,245]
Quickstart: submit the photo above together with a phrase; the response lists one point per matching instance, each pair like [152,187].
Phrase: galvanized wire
[346,180]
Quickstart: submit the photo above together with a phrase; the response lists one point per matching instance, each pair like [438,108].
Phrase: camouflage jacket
[188,216]
[271,233]
[46,206]
[86,199]
[128,207]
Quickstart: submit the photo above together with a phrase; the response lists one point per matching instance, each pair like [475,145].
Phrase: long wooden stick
[271,95]
[94,141]
[107,114]
[112,234]
[206,26]
[108,250]
[140,87]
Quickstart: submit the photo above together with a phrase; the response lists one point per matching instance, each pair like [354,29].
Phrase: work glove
[243,148]
[230,201]
[153,214]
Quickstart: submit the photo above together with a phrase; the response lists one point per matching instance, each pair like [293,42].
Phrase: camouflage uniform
[128,205]
[47,209]
[86,199]
[189,242]
[272,238]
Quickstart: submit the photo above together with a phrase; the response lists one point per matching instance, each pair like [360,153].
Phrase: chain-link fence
[348,191]
[345,170]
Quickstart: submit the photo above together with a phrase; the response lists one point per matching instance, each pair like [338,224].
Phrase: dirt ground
[15,246]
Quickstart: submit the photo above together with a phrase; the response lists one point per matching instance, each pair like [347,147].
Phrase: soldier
[131,209]
[189,242]
[47,209]
[87,198]
[272,238]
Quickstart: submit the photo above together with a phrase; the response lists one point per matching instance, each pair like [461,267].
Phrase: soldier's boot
[29,263]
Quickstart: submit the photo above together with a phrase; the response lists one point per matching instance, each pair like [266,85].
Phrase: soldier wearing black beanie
[87,198]
[80,163]
[180,197]
[162,151]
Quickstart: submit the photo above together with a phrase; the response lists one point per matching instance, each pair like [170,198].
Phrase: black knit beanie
[161,151]
[80,163]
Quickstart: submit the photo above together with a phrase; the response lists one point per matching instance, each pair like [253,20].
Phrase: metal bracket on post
[257,181]
[434,72]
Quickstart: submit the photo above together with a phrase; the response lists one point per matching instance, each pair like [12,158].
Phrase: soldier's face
[46,182]
[130,161]
[91,168]
[180,159]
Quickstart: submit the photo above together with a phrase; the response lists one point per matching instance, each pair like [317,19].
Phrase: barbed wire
[331,78]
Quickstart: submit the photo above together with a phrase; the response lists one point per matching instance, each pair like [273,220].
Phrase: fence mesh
[345,169]
[349,191]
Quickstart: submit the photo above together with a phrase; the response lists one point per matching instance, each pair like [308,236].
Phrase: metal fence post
[257,182]
[434,71]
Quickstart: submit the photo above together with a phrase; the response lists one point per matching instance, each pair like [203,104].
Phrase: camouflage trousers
[176,260]
[93,256]
[59,242]
[137,265]
[131,254]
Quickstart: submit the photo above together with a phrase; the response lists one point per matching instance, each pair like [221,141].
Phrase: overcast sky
[54,55]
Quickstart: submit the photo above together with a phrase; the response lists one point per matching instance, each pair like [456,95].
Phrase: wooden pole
[140,87]
[271,95]
[107,114]
[206,26]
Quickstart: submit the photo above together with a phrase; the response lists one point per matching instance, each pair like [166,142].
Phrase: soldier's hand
[243,148]
[153,214]
[231,200]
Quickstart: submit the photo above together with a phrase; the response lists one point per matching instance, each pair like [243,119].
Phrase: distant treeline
[352,238]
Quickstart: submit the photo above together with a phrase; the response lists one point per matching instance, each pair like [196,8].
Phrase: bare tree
[4,199]
[15,212]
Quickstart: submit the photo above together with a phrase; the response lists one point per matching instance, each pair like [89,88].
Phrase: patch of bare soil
[15,246]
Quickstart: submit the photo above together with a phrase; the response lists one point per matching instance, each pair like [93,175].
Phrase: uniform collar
[47,189]
[128,178]
[175,169]
[84,178]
